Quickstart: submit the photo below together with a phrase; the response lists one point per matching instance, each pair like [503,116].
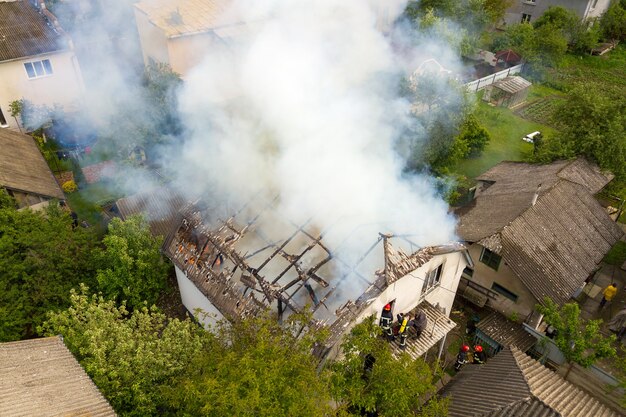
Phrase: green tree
[390,387]
[41,258]
[592,123]
[578,339]
[131,267]
[473,135]
[558,17]
[256,368]
[582,36]
[129,356]
[613,21]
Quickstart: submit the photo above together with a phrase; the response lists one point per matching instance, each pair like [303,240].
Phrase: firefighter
[461,358]
[479,355]
[386,319]
[419,323]
[403,321]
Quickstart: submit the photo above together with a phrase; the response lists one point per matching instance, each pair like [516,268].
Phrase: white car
[530,138]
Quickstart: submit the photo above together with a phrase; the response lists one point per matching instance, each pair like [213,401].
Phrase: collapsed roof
[255,260]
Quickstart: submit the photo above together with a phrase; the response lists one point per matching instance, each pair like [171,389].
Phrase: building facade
[528,11]
[37,62]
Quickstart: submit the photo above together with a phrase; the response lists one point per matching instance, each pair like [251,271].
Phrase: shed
[495,332]
[507,92]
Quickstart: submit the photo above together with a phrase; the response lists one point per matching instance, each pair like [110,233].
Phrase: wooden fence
[476,85]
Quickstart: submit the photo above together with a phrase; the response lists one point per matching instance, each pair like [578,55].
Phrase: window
[37,69]
[3,121]
[595,3]
[433,278]
[469,272]
[501,290]
[525,18]
[491,259]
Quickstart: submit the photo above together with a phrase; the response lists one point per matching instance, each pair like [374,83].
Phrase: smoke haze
[306,107]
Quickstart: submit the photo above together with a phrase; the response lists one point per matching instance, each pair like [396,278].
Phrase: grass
[86,202]
[506,130]
[617,254]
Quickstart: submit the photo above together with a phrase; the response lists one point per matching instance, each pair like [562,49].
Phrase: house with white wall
[528,11]
[37,60]
[257,260]
[180,33]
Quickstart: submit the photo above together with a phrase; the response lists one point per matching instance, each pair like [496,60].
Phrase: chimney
[536,195]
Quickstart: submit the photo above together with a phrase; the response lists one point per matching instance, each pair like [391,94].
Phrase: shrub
[69,186]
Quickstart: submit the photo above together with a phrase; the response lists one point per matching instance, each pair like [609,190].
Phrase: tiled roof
[183,17]
[514,384]
[23,168]
[160,206]
[40,377]
[554,245]
[26,32]
[506,332]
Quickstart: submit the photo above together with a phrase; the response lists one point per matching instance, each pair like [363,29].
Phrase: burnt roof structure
[256,260]
[514,384]
[23,168]
[26,32]
[41,377]
[545,222]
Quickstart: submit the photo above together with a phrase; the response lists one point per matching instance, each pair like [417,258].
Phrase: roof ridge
[553,389]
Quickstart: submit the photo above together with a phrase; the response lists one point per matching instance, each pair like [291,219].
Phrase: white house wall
[64,87]
[193,300]
[406,292]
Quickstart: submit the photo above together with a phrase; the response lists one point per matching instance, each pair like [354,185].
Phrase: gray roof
[551,246]
[40,377]
[26,32]
[23,168]
[513,384]
[506,332]
[160,206]
[512,84]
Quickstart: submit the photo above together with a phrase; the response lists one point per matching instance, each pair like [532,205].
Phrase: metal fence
[476,85]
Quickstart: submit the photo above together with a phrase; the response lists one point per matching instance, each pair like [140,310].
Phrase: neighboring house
[41,377]
[530,10]
[514,384]
[37,61]
[258,260]
[535,231]
[180,33]
[24,172]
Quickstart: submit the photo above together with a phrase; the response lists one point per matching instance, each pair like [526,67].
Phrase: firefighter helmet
[478,348]
[465,348]
[387,307]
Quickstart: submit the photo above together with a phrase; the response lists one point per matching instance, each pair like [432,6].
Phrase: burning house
[257,260]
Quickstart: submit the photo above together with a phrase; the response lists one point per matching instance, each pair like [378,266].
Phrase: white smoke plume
[306,107]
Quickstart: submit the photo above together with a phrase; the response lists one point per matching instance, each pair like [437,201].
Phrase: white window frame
[44,71]
[432,279]
[6,122]
[526,18]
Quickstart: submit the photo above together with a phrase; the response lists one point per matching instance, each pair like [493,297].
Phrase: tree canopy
[578,339]
[41,258]
[131,267]
[370,379]
[129,356]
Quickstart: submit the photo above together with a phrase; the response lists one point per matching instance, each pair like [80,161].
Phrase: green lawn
[506,130]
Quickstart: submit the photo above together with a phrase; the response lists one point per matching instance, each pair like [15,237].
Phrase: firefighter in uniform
[479,355]
[386,319]
[403,320]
